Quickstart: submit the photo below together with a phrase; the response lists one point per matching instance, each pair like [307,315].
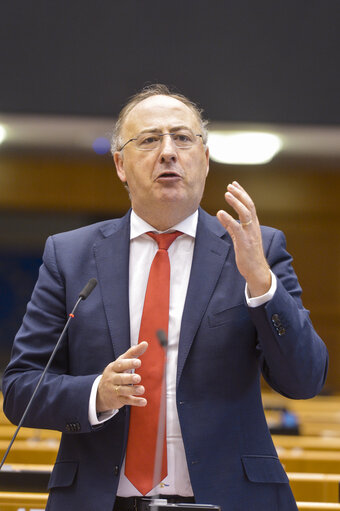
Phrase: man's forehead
[159,109]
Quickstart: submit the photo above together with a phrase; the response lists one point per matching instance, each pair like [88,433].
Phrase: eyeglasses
[183,139]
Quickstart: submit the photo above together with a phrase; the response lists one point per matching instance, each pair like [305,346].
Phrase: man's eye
[149,140]
[182,137]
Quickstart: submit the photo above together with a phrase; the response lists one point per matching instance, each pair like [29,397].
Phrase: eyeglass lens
[149,141]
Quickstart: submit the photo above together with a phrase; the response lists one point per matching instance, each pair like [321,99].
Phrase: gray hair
[157,89]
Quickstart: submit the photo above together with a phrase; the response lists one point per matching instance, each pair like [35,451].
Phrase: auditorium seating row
[311,458]
[37,501]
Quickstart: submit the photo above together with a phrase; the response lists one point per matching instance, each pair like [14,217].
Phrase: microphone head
[162,338]
[84,293]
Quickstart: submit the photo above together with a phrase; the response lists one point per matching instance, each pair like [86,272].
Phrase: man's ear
[119,162]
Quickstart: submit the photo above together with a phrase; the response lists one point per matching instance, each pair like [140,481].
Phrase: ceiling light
[2,133]
[244,147]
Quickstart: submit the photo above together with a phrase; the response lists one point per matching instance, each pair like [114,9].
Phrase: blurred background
[263,67]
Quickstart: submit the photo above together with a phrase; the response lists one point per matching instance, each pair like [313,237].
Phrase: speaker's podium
[162,505]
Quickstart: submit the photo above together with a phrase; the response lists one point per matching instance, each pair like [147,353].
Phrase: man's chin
[172,196]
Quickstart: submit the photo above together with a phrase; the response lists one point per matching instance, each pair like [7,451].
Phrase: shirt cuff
[94,418]
[260,300]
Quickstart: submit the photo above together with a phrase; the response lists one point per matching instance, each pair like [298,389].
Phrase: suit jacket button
[68,428]
[281,331]
[116,470]
[276,320]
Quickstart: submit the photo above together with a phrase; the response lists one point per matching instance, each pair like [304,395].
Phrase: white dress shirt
[142,251]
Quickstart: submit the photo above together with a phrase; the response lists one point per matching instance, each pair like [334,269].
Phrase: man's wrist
[264,298]
[100,417]
[261,284]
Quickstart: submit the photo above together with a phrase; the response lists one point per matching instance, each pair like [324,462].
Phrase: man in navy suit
[235,311]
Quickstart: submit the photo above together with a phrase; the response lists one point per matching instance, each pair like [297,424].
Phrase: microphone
[161,430]
[84,293]
[159,503]
[82,296]
[162,338]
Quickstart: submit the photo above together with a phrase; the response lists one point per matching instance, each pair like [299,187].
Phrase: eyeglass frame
[160,135]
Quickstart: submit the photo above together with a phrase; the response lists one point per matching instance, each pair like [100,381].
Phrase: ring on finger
[244,224]
[116,387]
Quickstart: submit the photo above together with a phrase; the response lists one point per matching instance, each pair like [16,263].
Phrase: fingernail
[136,378]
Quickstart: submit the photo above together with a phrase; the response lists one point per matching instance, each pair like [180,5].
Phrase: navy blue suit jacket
[223,347]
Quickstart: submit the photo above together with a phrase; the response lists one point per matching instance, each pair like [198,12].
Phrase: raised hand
[247,239]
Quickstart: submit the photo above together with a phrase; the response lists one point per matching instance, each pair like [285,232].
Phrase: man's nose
[168,151]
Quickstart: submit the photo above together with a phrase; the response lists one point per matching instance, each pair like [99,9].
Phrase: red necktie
[142,440]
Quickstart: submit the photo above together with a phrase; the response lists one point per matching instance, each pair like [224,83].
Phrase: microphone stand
[163,341]
[158,503]
[82,296]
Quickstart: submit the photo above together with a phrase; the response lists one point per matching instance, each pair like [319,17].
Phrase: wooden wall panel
[301,199]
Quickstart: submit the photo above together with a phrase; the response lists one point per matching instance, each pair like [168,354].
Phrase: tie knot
[165,239]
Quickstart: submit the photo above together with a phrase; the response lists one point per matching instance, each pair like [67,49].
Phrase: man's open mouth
[168,175]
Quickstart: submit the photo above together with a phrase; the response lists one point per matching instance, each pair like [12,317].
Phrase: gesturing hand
[119,385]
[247,239]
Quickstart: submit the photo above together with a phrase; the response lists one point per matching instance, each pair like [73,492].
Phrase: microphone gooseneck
[161,431]
[82,296]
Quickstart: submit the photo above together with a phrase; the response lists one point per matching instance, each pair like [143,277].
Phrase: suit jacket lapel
[112,259]
[210,253]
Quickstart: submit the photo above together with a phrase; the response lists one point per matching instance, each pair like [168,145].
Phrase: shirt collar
[139,226]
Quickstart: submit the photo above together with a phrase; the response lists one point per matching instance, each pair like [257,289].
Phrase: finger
[237,191]
[234,228]
[242,204]
[236,184]
[126,379]
[133,401]
[241,210]
[225,219]
[130,390]
[128,394]
[135,351]
[128,360]
[123,365]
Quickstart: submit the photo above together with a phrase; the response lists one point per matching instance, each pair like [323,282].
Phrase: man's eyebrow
[158,130]
[178,128]
[150,130]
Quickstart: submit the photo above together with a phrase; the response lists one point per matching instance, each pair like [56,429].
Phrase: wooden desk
[318,506]
[25,478]
[8,430]
[308,442]
[33,452]
[12,501]
[325,462]
[311,487]
[319,416]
